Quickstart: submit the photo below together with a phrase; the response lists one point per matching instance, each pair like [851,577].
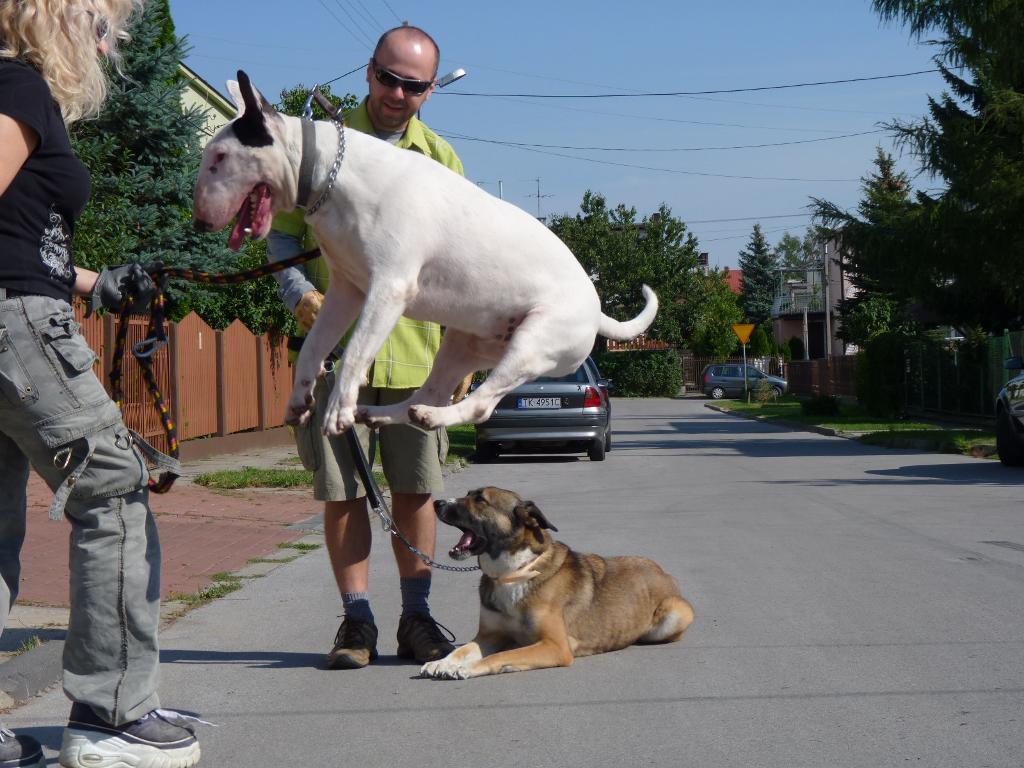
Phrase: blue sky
[602,47]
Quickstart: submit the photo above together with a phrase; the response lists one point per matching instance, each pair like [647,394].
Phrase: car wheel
[1008,442]
[717,393]
[607,441]
[596,450]
[485,452]
[776,392]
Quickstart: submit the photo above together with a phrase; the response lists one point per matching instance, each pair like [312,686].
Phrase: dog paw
[298,409]
[425,416]
[372,418]
[444,669]
[338,420]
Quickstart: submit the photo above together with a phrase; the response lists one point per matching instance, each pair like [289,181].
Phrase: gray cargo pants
[56,416]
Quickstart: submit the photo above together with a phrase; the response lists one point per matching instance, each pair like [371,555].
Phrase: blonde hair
[60,39]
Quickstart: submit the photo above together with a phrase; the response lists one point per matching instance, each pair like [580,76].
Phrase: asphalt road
[855,607]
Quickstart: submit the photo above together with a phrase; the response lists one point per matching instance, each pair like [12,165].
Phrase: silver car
[1010,417]
[562,414]
[726,380]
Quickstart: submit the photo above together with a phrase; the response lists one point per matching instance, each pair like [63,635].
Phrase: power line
[679,171]
[752,218]
[374,24]
[566,108]
[356,23]
[341,23]
[462,137]
[388,6]
[694,93]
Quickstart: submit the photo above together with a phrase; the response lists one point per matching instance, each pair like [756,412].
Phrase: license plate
[538,402]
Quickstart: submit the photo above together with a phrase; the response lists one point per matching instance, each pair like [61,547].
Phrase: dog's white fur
[403,235]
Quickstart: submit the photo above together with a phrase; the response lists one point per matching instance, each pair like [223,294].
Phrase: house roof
[734,279]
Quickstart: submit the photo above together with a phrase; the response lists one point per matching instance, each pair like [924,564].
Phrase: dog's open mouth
[469,545]
[253,218]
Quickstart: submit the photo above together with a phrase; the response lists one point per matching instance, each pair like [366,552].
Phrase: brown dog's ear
[531,516]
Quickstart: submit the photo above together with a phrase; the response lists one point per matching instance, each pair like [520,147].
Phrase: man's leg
[412,463]
[346,529]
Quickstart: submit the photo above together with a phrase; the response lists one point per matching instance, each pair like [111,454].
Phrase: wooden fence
[834,375]
[214,382]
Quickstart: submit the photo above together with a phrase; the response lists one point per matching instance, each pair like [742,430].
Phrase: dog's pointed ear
[251,124]
[531,516]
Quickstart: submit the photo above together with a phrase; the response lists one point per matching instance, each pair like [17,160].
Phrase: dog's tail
[630,329]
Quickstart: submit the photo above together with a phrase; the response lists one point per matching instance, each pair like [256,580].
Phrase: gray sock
[357,605]
[414,595]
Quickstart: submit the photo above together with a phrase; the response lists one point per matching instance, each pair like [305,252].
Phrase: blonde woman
[55,414]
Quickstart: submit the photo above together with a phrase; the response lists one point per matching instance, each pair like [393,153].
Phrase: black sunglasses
[389,79]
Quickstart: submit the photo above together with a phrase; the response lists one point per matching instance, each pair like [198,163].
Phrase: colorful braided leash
[156,338]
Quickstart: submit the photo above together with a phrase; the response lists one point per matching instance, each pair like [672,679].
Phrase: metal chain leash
[377,503]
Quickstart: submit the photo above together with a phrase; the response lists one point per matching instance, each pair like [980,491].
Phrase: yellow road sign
[743,331]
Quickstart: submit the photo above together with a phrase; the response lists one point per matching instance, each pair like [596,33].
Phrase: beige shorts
[411,457]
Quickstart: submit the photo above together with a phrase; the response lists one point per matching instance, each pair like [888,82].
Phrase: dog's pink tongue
[237,235]
[465,543]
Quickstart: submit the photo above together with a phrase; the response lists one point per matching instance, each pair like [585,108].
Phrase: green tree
[760,343]
[621,253]
[293,99]
[143,152]
[712,310]
[794,254]
[759,266]
[957,252]
[880,301]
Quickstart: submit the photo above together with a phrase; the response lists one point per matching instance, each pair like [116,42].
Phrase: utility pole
[539,196]
[828,308]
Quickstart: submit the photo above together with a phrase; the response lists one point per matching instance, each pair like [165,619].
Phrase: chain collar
[333,175]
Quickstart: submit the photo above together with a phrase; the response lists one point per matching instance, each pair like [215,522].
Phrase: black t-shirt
[39,208]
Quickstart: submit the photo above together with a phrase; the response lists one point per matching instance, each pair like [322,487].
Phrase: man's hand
[308,308]
[114,282]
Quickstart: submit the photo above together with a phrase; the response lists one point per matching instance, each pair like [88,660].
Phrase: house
[734,279]
[801,298]
[216,110]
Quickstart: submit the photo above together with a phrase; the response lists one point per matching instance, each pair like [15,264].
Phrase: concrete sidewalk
[202,533]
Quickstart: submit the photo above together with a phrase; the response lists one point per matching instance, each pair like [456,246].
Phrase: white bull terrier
[403,235]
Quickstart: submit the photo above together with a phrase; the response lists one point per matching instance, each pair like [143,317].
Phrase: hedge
[642,374]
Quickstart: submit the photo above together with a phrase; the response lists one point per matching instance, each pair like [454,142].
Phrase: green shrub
[643,374]
[796,348]
[764,392]
[880,374]
[820,405]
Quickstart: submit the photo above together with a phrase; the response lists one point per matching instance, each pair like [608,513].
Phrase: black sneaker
[19,751]
[159,739]
[421,638]
[355,645]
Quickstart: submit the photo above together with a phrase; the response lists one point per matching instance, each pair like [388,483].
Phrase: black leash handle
[156,338]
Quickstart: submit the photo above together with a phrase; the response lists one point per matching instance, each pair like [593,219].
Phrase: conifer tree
[759,266]
[957,252]
[143,152]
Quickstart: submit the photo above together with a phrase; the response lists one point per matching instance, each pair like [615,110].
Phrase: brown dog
[541,603]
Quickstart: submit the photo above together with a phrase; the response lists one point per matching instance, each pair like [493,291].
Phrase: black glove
[114,282]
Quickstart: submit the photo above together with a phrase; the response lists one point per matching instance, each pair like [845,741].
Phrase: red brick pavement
[201,533]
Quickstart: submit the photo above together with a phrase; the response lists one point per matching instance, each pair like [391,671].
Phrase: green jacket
[408,354]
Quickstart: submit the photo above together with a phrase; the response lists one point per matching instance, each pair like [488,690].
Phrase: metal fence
[214,382]
[694,365]
[936,375]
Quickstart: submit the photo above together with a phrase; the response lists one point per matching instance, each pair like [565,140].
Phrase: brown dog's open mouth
[253,215]
[469,545]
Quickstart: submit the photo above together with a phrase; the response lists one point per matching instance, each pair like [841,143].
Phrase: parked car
[1010,417]
[726,380]
[561,414]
